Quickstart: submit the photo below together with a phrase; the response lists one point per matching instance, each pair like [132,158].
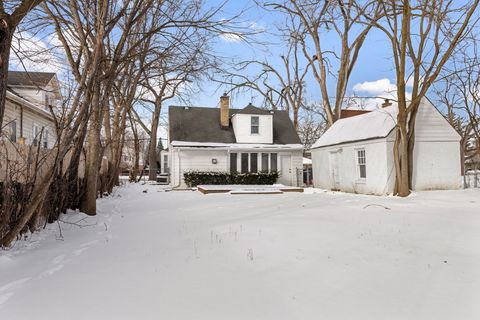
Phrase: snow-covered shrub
[195,178]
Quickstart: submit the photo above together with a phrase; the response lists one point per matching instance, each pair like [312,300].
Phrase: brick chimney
[387,103]
[224,111]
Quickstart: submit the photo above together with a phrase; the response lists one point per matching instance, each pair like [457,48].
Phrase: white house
[232,140]
[28,118]
[356,154]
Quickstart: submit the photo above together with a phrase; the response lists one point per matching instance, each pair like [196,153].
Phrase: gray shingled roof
[196,124]
[250,109]
[37,79]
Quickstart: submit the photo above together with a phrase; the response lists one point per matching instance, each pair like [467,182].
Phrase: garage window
[361,164]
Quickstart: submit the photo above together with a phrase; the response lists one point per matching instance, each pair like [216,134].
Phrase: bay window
[253,162]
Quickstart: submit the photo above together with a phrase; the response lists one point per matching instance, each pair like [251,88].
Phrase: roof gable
[375,124]
[430,125]
[31,79]
[251,109]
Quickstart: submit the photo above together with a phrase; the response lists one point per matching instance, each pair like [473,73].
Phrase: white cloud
[33,53]
[374,93]
[382,87]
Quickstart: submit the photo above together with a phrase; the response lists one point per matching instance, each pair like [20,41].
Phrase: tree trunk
[404,181]
[88,204]
[6,35]
[152,148]
[295,117]
[402,158]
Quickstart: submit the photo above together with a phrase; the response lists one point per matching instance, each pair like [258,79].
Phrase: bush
[195,178]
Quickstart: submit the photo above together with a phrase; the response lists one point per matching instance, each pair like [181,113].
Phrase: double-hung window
[361,164]
[244,162]
[233,163]
[45,139]
[13,131]
[265,167]
[253,162]
[254,125]
[35,134]
[273,162]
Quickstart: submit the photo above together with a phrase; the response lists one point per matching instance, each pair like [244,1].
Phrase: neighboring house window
[273,162]
[45,139]
[244,162]
[265,162]
[13,131]
[165,163]
[253,162]
[35,134]
[48,101]
[233,163]
[361,163]
[255,124]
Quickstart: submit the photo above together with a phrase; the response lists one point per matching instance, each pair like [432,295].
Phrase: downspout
[227,160]
[21,123]
[179,169]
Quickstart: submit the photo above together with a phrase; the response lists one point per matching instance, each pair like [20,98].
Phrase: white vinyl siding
[242,126]
[200,159]
[30,119]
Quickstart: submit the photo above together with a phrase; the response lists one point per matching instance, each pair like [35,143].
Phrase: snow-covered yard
[185,255]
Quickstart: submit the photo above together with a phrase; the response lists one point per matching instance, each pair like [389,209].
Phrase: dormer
[41,88]
[253,125]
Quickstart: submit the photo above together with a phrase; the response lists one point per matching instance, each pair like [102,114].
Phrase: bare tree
[281,87]
[181,61]
[11,14]
[346,20]
[423,36]
[457,90]
[312,125]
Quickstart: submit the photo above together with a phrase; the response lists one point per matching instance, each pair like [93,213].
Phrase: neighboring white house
[28,118]
[356,154]
[232,140]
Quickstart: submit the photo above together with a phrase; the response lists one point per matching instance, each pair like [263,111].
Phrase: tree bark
[6,35]
[88,203]
[152,148]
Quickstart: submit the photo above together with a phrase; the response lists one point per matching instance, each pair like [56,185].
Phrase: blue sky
[373,74]
[374,62]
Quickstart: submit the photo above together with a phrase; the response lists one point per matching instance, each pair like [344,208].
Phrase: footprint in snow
[7,291]
[51,271]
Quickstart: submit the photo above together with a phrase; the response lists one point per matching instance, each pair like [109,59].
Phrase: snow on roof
[376,124]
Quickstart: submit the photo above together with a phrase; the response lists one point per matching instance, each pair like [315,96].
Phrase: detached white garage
[356,153]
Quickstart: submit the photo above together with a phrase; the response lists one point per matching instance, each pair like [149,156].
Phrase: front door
[334,171]
[285,176]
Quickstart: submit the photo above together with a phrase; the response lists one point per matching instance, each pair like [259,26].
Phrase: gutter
[31,106]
